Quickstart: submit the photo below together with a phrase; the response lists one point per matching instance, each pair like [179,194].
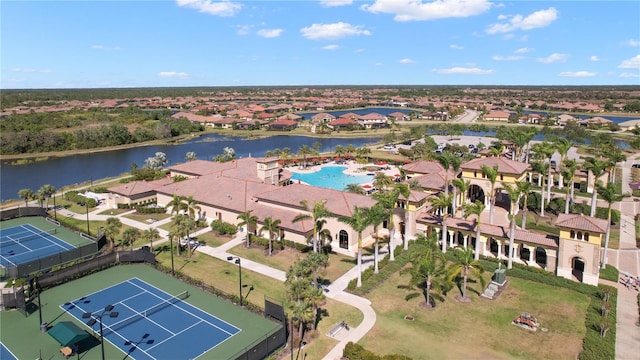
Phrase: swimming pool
[331,177]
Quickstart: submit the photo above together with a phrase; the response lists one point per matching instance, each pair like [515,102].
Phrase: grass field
[481,329]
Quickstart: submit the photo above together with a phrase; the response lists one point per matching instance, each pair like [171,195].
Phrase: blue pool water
[331,177]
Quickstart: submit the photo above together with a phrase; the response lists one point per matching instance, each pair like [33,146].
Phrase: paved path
[627,330]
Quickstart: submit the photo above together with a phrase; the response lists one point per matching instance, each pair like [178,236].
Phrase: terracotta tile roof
[497,231]
[415,196]
[582,222]
[342,121]
[138,187]
[433,181]
[338,202]
[423,167]
[505,166]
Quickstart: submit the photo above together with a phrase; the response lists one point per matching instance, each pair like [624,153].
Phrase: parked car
[637,166]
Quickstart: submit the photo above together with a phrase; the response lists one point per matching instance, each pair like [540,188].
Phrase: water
[76,169]
[331,177]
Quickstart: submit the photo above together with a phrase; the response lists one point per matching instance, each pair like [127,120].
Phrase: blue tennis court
[6,354]
[25,243]
[151,324]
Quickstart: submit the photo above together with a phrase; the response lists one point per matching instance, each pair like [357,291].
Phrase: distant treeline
[46,132]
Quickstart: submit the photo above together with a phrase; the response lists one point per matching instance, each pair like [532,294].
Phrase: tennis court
[151,324]
[24,243]
[6,354]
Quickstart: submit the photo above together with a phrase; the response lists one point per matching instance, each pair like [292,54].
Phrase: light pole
[237,261]
[98,318]
[86,204]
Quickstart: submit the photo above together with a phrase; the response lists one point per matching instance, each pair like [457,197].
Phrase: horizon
[55,45]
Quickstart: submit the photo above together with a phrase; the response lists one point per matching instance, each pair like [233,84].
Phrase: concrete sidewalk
[627,330]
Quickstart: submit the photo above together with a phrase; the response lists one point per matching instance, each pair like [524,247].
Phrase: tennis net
[146,313]
[35,235]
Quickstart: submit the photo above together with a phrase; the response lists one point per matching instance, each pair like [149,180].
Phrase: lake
[76,169]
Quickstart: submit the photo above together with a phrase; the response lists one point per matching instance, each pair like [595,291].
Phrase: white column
[531,252]
[499,248]
[450,238]
[465,240]
[515,251]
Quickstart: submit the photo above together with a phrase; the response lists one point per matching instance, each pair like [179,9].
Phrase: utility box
[44,327]
[499,276]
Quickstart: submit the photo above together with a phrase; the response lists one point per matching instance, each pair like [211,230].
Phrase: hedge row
[150,210]
[223,228]
[357,352]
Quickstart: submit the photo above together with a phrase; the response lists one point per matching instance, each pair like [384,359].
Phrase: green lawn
[481,329]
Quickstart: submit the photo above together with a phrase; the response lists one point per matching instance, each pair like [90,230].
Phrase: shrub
[223,228]
[357,352]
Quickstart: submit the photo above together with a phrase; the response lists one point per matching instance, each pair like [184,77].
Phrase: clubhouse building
[223,190]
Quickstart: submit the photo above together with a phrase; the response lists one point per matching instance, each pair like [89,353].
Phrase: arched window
[573,234]
[579,235]
[344,239]
[586,236]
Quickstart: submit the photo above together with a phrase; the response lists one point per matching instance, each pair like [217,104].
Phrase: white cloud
[31,70]
[406,61]
[538,19]
[331,47]
[523,50]
[631,42]
[555,57]
[332,31]
[416,10]
[357,51]
[173,74]
[465,71]
[633,63]
[594,58]
[269,33]
[332,3]
[243,29]
[629,75]
[457,47]
[106,48]
[577,74]
[507,58]
[218,8]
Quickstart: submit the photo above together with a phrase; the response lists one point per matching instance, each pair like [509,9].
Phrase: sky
[167,43]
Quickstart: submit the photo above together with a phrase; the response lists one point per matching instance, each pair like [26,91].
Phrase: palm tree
[177,204]
[568,172]
[112,229]
[150,235]
[305,150]
[129,236]
[388,200]
[466,266]
[463,186]
[445,159]
[596,167]
[318,213]
[47,192]
[428,267]
[382,181]
[358,221]
[376,215]
[443,202]
[27,195]
[563,146]
[476,208]
[546,150]
[514,195]
[272,226]
[610,195]
[191,207]
[354,188]
[455,166]
[492,175]
[250,221]
[525,188]
[339,150]
[364,151]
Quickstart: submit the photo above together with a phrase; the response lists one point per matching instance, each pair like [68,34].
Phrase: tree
[150,235]
[177,204]
[339,150]
[476,208]
[129,236]
[382,181]
[26,195]
[428,267]
[545,150]
[250,221]
[190,156]
[359,220]
[568,172]
[596,167]
[465,266]
[47,192]
[112,229]
[446,159]
[388,200]
[492,174]
[354,188]
[525,188]
[303,151]
[463,186]
[563,146]
[514,196]
[376,215]
[272,226]
[191,206]
[610,195]
[442,202]
[317,214]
